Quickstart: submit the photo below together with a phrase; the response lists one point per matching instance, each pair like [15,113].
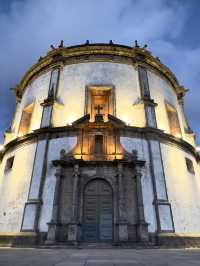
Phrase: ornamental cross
[98,108]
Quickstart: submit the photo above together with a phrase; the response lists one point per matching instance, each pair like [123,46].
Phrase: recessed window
[174,125]
[9,163]
[26,119]
[190,166]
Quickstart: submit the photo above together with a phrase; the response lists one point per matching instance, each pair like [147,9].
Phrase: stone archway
[98,212]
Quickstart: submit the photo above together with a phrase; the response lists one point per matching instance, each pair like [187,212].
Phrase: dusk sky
[170,28]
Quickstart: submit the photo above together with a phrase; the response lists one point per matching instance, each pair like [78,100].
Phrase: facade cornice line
[60,56]
[59,132]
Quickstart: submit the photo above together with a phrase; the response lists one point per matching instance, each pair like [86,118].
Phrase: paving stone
[99,257]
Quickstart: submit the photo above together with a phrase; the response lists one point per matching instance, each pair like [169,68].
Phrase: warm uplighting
[70,119]
[126,120]
[178,135]
[20,135]
[1,147]
[198,148]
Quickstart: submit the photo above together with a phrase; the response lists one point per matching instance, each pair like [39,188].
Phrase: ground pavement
[99,257]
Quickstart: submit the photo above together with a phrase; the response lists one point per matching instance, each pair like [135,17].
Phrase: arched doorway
[98,212]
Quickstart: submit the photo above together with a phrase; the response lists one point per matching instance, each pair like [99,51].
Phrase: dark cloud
[27,28]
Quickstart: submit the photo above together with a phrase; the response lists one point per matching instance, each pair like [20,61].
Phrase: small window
[9,163]
[190,166]
[26,119]
[174,125]
[98,146]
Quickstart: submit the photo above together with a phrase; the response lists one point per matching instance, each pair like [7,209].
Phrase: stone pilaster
[33,204]
[49,102]
[73,226]
[149,104]
[162,205]
[142,226]
[123,226]
[55,220]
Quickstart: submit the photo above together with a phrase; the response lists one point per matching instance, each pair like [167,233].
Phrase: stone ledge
[24,239]
[176,240]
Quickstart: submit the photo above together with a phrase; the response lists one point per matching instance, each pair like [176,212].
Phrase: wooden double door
[98,212]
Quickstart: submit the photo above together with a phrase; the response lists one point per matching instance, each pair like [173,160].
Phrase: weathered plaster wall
[14,187]
[162,91]
[74,79]
[183,189]
[143,154]
[55,146]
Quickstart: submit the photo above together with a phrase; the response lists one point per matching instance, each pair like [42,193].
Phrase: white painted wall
[143,154]
[183,189]
[75,78]
[161,90]
[55,146]
[14,187]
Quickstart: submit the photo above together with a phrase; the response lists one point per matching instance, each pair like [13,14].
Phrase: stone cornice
[146,133]
[88,52]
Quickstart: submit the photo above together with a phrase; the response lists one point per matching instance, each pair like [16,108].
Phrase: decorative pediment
[113,122]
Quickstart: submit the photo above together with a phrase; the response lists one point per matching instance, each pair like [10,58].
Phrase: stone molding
[136,132]
[97,52]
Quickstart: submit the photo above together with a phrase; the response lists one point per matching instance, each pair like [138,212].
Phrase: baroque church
[99,151]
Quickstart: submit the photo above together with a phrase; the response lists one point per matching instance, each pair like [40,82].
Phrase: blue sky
[170,28]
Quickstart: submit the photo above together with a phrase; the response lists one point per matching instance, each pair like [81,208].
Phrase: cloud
[28,28]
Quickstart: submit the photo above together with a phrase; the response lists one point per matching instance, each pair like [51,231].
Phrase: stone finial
[62,154]
[52,47]
[61,45]
[111,42]
[145,46]
[40,58]
[135,154]
[87,42]
[136,44]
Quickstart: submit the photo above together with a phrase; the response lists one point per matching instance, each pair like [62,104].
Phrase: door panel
[98,208]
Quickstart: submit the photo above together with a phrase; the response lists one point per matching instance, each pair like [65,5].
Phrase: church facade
[99,151]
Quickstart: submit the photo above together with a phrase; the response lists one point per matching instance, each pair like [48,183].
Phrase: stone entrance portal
[98,212]
[98,202]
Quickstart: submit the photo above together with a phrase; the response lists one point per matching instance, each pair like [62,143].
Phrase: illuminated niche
[25,122]
[102,96]
[173,120]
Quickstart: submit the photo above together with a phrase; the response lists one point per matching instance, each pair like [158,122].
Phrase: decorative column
[53,225]
[162,205]
[73,226]
[123,226]
[149,104]
[142,225]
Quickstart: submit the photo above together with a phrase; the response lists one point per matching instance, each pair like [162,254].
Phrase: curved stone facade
[99,112]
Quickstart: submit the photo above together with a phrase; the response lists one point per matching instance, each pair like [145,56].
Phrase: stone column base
[123,232]
[52,235]
[142,232]
[73,232]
